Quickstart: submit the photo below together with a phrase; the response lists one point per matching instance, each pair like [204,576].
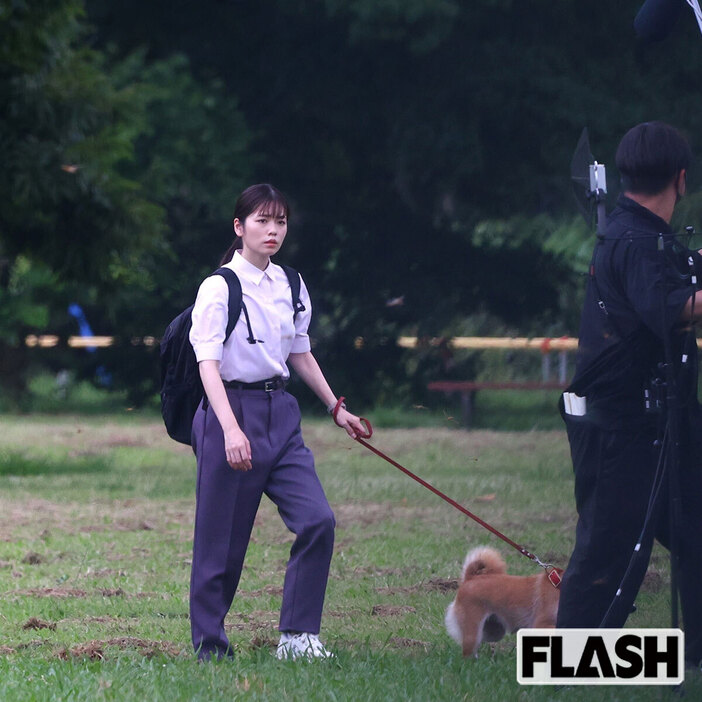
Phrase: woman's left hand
[350,422]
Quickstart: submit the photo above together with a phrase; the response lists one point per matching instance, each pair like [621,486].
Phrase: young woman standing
[247,437]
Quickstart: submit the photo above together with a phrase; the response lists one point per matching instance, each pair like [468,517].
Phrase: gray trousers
[226,504]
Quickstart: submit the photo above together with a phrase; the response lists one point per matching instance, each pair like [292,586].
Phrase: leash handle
[369,429]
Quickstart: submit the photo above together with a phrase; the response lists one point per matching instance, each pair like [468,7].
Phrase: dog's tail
[482,561]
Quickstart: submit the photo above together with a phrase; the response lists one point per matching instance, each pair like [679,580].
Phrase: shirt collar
[247,270]
[626,203]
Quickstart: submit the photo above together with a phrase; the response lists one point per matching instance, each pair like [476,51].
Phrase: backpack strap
[235,298]
[295,284]
[236,302]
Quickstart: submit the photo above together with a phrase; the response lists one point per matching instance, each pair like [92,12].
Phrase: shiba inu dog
[490,603]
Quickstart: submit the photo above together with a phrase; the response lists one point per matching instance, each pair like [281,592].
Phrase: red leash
[552,573]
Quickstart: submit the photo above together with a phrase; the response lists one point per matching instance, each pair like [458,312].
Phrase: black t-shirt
[634,298]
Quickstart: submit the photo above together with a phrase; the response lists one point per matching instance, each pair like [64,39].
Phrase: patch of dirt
[263,642]
[46,517]
[96,650]
[58,592]
[112,592]
[653,582]
[120,525]
[7,651]
[35,623]
[32,558]
[253,621]
[392,610]
[442,585]
[275,590]
[33,512]
[64,592]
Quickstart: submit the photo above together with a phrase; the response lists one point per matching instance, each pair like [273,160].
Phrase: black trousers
[614,477]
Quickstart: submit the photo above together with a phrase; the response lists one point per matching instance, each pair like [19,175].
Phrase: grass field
[95,545]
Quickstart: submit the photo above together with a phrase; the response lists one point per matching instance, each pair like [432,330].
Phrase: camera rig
[662,395]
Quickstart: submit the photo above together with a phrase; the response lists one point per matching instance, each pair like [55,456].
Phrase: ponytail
[229,253]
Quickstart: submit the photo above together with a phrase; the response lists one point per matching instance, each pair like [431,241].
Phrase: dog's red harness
[553,573]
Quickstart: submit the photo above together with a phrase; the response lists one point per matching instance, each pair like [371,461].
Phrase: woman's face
[262,234]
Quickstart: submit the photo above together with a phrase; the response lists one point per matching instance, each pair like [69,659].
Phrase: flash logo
[600,656]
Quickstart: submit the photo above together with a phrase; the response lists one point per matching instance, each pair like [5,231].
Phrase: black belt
[269,385]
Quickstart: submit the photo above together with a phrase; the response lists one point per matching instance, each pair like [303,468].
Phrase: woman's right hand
[237,449]
[236,446]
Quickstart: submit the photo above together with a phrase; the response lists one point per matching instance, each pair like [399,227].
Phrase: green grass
[502,410]
[517,410]
[95,546]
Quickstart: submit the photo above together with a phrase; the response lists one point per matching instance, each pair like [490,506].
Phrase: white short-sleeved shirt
[268,300]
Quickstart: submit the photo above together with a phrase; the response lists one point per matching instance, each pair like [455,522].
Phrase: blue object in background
[77,311]
[102,376]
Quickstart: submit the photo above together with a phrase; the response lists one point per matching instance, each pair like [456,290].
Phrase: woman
[247,437]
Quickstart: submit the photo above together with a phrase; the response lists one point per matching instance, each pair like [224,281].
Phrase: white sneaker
[296,646]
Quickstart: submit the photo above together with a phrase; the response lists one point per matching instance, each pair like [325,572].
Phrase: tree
[192,159]
[412,136]
[117,173]
[67,212]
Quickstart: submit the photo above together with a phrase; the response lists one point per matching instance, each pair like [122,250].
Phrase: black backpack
[181,387]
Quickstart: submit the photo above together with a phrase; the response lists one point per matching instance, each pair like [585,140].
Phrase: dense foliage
[425,145]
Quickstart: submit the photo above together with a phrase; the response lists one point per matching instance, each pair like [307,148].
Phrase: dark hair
[256,198]
[650,156]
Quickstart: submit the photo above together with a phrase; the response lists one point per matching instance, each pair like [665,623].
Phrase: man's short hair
[650,156]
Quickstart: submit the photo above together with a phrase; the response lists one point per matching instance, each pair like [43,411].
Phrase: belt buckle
[270,385]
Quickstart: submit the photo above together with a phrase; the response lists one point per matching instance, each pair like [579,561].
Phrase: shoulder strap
[294,280]
[235,297]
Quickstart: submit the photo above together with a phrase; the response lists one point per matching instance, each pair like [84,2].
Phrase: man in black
[638,299]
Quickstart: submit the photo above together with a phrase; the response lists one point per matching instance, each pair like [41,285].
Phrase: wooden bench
[468,389]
